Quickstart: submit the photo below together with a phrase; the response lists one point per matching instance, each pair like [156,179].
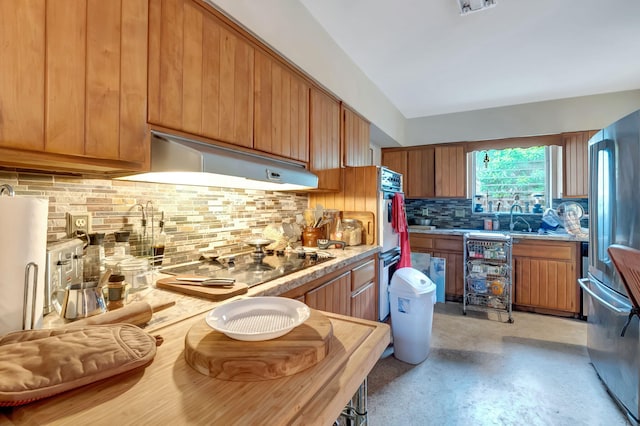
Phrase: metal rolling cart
[488,284]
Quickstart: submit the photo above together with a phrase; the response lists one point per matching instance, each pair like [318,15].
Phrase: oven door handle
[389,260]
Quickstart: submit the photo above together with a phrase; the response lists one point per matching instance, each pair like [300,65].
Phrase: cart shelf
[488,273]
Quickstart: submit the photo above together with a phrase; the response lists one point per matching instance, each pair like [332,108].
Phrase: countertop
[169,390]
[514,235]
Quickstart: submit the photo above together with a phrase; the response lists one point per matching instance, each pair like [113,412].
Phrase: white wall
[289,28]
[539,118]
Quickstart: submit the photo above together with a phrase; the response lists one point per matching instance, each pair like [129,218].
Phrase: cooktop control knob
[279,252]
[301,255]
[313,256]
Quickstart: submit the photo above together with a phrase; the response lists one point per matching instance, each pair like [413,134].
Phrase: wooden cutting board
[214,354]
[368,225]
[212,293]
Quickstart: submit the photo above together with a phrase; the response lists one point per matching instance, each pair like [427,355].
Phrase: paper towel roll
[23,239]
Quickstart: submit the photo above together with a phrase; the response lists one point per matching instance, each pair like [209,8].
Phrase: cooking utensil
[136,313]
[422,222]
[206,281]
[325,244]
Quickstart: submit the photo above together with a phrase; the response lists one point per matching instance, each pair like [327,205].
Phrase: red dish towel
[399,224]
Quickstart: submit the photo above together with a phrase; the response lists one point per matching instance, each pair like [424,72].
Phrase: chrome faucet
[522,219]
[513,207]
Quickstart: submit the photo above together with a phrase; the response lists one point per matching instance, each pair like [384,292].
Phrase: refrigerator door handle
[584,283]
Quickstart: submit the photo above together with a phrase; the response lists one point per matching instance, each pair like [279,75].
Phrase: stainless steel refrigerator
[614,212]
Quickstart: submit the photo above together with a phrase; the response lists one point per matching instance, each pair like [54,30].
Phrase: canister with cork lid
[352,232]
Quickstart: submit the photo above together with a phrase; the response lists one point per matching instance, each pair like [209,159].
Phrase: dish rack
[488,284]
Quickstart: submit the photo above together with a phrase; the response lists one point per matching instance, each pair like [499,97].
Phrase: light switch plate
[425,211]
[459,213]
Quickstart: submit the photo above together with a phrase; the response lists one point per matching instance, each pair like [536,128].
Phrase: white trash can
[412,296]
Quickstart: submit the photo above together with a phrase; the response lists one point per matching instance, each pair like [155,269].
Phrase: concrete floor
[482,371]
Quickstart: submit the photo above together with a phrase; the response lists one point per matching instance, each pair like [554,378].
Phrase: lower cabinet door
[363,302]
[333,296]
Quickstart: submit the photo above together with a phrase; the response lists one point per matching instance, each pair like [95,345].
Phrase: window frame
[553,173]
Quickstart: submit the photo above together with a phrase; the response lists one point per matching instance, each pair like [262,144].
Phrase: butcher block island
[171,391]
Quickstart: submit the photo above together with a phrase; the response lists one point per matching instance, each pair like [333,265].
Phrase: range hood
[177,160]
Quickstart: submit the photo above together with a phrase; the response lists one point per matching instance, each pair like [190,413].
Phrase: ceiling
[429,60]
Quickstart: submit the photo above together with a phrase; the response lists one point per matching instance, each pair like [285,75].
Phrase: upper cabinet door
[355,136]
[81,91]
[200,73]
[324,141]
[22,70]
[281,114]
[575,159]
[396,161]
[450,171]
[420,179]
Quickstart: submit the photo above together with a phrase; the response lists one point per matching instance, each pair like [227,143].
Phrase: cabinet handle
[362,289]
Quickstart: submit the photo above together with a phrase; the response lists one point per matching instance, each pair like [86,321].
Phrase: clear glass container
[352,232]
[93,263]
[122,246]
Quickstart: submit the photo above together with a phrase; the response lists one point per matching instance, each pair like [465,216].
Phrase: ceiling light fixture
[469,6]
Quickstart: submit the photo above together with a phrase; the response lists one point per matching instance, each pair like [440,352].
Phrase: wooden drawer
[555,250]
[420,241]
[449,243]
[363,274]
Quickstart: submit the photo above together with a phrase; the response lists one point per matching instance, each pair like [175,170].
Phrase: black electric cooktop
[252,268]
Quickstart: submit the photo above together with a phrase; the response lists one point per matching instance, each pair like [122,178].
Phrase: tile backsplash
[450,213]
[197,219]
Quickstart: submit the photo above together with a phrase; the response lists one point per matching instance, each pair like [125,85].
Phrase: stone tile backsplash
[450,213]
[197,219]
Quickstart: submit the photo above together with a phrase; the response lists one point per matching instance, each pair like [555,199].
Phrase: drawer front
[554,251]
[449,243]
[420,241]
[363,274]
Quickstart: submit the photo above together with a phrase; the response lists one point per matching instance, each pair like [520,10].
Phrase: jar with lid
[116,292]
[93,263]
[136,273]
[352,232]
[122,247]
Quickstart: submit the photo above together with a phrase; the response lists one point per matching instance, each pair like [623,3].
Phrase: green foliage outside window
[510,172]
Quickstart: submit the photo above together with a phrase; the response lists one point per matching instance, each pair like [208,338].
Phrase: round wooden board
[213,353]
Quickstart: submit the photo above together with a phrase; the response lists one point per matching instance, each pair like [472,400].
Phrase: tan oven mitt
[36,364]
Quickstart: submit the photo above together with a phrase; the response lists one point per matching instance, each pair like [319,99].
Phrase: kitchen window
[500,177]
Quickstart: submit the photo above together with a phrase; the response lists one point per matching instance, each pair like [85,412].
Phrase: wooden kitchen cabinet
[355,138]
[324,140]
[350,290]
[449,247]
[364,290]
[281,110]
[575,159]
[450,171]
[545,275]
[201,73]
[332,296]
[420,177]
[430,171]
[396,161]
[73,88]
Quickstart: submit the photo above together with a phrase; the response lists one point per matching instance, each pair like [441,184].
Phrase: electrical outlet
[78,222]
[459,213]
[425,211]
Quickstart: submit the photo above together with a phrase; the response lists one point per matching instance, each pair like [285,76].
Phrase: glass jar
[93,263]
[136,273]
[122,246]
[352,232]
[116,292]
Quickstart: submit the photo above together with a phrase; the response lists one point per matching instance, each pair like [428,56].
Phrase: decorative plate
[258,318]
